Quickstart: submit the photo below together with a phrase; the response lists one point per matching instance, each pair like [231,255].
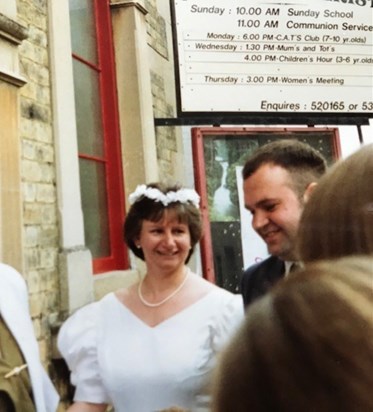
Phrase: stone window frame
[75,260]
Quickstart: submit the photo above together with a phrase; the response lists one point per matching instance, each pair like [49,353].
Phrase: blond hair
[338,219]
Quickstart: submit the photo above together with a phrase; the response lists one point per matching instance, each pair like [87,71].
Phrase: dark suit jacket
[259,278]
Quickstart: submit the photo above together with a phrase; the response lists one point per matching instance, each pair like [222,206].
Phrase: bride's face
[165,243]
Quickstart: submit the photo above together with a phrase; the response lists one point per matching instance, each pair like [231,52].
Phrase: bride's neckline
[174,315]
[167,298]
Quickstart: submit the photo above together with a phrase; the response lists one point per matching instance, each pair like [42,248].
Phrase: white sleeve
[229,319]
[228,316]
[77,342]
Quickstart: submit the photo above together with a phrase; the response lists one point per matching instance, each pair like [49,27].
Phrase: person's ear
[308,192]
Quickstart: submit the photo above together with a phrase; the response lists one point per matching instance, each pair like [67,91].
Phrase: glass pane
[95,209]
[83,29]
[223,154]
[88,110]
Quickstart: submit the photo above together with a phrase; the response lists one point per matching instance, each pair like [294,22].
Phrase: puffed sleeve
[228,319]
[77,342]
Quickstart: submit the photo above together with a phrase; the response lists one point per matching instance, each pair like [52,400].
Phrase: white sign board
[310,56]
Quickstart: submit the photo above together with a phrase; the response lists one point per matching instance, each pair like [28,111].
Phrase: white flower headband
[181,195]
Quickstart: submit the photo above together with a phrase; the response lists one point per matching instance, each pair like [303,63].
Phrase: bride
[153,345]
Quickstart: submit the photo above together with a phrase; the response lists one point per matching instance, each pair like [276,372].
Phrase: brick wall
[38,174]
[166,137]
[156,29]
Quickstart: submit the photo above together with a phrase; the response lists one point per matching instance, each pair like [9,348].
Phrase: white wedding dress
[116,358]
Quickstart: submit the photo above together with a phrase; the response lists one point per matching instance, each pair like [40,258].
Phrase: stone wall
[156,29]
[38,174]
[166,136]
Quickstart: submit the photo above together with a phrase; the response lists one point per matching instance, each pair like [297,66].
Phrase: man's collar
[291,265]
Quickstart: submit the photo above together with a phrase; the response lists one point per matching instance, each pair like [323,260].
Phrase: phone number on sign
[323,106]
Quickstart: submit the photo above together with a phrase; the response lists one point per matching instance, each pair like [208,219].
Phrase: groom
[277,182]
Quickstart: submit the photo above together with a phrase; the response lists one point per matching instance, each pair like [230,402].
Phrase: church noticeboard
[304,56]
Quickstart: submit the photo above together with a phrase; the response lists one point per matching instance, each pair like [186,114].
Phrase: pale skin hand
[87,407]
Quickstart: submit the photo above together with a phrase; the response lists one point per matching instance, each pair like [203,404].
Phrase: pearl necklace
[154,305]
